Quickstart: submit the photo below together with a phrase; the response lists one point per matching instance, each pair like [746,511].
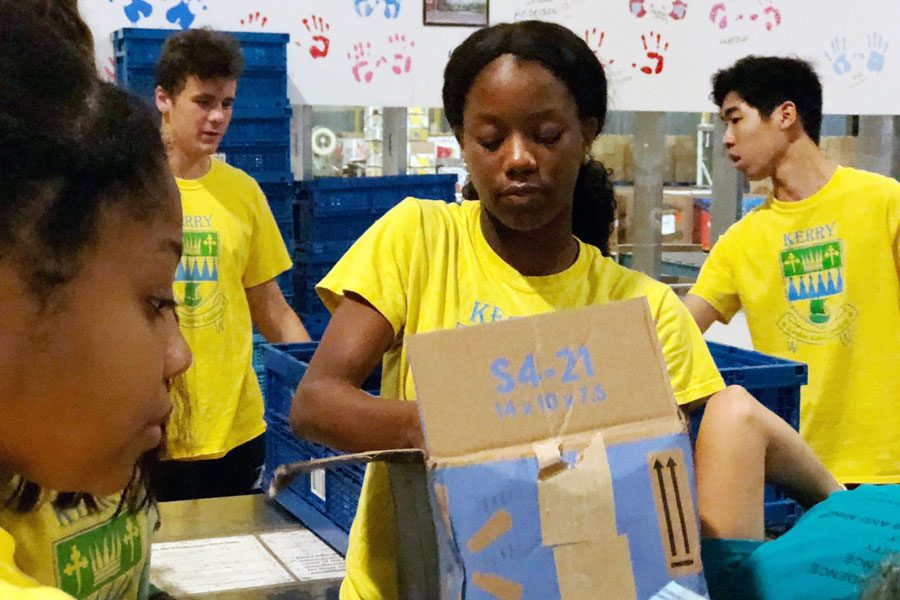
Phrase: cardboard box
[841,149]
[611,150]
[558,466]
[675,220]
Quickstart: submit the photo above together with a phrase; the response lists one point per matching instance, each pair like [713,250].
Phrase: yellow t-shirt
[231,242]
[14,584]
[426,266]
[91,556]
[818,280]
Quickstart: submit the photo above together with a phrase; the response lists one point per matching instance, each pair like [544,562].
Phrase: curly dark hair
[69,155]
[571,61]
[764,82]
[203,53]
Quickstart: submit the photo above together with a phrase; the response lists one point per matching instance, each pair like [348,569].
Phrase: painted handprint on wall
[255,19]
[399,58]
[855,61]
[665,10]
[594,39]
[655,48]
[108,71]
[184,13]
[395,56]
[136,10]
[877,49]
[367,8]
[360,58]
[317,30]
[753,14]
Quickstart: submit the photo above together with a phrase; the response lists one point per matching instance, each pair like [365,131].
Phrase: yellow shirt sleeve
[377,266]
[716,283]
[268,255]
[692,371]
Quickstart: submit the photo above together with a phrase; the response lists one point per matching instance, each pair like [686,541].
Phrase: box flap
[536,378]
[285,474]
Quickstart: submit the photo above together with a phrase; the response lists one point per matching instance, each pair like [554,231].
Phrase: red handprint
[317,27]
[654,47]
[255,18]
[594,40]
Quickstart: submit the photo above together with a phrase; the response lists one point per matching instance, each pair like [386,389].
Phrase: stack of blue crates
[326,503]
[331,213]
[258,140]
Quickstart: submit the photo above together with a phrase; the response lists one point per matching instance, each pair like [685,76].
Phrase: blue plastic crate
[776,383]
[260,50]
[315,322]
[285,365]
[281,203]
[259,125]
[320,252]
[286,228]
[258,367]
[341,209]
[306,300]
[337,499]
[265,163]
[263,83]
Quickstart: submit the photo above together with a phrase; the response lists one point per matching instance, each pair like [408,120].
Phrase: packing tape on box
[584,537]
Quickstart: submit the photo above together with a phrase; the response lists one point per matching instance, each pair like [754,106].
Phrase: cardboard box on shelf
[675,220]
[683,158]
[558,466]
[840,148]
[611,151]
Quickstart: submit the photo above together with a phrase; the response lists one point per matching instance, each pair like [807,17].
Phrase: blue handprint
[181,14]
[391,9]
[877,50]
[838,56]
[137,10]
[363,8]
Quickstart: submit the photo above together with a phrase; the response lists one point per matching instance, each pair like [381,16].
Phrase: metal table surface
[240,515]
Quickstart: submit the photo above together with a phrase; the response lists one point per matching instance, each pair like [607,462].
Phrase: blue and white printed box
[557,464]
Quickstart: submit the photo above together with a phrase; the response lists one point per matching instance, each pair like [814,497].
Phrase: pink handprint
[360,58]
[594,40]
[109,70]
[401,61]
[317,27]
[654,47]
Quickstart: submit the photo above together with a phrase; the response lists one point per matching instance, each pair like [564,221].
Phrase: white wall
[380,53]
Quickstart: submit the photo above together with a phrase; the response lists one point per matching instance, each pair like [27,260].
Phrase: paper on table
[673,591]
[215,565]
[305,555]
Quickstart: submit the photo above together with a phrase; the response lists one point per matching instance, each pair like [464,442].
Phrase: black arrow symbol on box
[658,467]
[672,464]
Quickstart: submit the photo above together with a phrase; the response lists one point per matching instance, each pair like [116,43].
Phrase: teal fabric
[828,555]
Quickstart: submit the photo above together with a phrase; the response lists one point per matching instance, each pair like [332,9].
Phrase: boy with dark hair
[226,280]
[816,268]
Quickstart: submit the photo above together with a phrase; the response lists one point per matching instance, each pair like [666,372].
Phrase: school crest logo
[814,282]
[197,280]
[93,562]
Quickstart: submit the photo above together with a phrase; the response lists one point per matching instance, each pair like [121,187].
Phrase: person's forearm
[284,327]
[344,417]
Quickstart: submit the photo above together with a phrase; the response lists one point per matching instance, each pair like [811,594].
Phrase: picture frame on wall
[456,13]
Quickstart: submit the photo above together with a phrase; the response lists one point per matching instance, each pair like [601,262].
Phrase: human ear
[786,114]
